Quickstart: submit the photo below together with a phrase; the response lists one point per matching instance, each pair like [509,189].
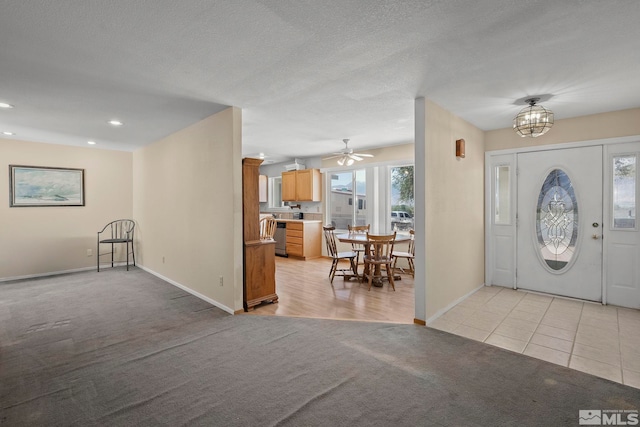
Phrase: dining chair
[358,248]
[117,232]
[379,253]
[267,228]
[336,257]
[409,255]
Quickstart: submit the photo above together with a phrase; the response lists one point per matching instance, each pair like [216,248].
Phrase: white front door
[559,222]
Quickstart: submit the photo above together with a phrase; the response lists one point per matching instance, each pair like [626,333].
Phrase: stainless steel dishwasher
[280,237]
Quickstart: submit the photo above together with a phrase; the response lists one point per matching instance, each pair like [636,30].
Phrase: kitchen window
[275,192]
[344,187]
[371,195]
[401,199]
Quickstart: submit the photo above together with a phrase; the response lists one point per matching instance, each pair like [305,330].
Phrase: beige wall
[585,128]
[384,154]
[454,218]
[41,240]
[188,206]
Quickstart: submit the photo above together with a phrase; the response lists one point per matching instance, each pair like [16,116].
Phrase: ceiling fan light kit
[345,160]
[347,157]
[534,120]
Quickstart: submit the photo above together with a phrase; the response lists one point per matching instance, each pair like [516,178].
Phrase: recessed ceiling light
[5,105]
[91,142]
[8,133]
[115,123]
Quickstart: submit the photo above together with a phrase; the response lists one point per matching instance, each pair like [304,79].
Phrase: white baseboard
[186,289]
[453,304]
[51,273]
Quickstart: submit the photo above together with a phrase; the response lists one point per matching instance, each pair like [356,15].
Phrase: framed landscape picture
[45,186]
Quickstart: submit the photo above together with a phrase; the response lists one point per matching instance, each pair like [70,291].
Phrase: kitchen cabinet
[301,186]
[304,239]
[262,188]
[289,186]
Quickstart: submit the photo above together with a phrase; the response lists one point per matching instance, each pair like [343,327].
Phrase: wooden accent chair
[117,232]
[267,228]
[379,253]
[409,255]
[358,248]
[336,257]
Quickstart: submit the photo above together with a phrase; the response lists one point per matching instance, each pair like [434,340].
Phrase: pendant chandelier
[534,120]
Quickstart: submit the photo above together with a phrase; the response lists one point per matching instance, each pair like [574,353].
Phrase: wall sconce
[460,148]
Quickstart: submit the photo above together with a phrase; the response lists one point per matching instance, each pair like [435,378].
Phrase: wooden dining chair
[336,257]
[409,255]
[267,228]
[358,248]
[379,253]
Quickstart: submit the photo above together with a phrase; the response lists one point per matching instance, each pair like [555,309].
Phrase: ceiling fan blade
[363,155]
[333,157]
[355,157]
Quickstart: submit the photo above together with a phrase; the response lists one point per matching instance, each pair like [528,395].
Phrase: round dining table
[361,239]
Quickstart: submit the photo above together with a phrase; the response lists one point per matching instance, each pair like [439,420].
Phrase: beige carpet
[124,348]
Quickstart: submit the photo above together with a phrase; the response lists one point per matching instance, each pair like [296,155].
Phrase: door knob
[595,237]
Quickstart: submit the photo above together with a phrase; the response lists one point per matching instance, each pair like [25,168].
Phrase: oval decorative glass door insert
[557,220]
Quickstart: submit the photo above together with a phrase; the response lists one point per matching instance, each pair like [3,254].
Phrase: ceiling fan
[347,156]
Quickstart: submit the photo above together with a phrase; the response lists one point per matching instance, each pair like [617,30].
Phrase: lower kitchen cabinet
[304,239]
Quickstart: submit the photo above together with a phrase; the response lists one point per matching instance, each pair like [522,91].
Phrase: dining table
[361,239]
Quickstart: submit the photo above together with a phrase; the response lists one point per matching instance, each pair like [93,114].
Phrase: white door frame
[508,157]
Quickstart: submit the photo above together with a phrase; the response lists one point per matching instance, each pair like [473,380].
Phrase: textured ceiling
[305,73]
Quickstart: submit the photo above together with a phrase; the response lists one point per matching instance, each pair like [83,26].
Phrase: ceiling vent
[296,166]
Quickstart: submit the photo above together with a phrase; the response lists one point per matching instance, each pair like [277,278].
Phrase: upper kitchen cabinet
[301,186]
[289,186]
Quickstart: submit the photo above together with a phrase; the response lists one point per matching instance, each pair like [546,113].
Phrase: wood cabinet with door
[259,255]
[304,239]
[301,186]
[289,186]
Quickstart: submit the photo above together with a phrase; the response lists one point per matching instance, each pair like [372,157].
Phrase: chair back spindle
[412,243]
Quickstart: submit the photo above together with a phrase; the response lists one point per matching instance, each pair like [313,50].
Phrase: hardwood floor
[304,290]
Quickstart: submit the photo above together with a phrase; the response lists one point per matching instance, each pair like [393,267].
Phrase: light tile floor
[593,338]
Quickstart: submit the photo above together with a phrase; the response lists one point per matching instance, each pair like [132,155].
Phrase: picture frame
[40,186]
